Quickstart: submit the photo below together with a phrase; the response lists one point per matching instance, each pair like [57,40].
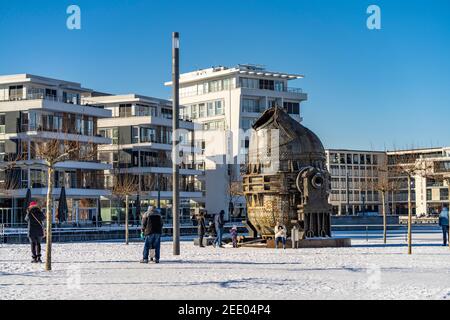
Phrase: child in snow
[234,235]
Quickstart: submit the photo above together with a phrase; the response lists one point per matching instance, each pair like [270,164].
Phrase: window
[145,111]
[246,123]
[50,94]
[135,135]
[15,92]
[2,123]
[201,110]
[250,105]
[279,86]
[219,107]
[444,194]
[125,110]
[72,98]
[265,84]
[194,111]
[148,135]
[292,107]
[211,111]
[2,147]
[249,83]
[166,113]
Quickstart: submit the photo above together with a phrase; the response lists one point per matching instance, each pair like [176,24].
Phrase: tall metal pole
[175,146]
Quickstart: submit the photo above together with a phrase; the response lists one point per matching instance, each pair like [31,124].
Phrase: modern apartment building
[358,175]
[36,109]
[226,102]
[140,130]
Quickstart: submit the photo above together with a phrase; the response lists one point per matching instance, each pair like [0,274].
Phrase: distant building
[34,109]
[356,175]
[141,133]
[229,100]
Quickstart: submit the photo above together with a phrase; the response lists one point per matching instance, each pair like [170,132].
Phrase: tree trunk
[409,217]
[126,219]
[383,199]
[49,214]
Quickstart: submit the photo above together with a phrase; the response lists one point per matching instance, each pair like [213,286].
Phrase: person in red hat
[35,219]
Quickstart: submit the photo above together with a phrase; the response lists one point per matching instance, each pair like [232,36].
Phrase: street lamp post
[175,145]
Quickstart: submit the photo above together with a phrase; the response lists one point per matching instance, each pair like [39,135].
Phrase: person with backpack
[35,219]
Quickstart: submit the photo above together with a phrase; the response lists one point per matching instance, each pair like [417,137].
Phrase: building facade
[140,130]
[34,110]
[226,102]
[358,177]
[354,179]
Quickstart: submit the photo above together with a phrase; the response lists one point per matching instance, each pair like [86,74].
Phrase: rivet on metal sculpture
[287,181]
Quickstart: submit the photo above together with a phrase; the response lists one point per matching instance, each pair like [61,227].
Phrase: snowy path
[110,271]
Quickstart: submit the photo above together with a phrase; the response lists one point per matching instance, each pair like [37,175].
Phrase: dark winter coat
[35,219]
[219,219]
[201,227]
[152,223]
[443,218]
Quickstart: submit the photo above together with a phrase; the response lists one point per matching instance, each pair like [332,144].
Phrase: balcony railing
[39,96]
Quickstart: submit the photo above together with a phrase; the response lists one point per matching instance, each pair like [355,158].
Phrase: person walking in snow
[443,223]
[280,235]
[234,236]
[152,226]
[219,222]
[35,219]
[201,228]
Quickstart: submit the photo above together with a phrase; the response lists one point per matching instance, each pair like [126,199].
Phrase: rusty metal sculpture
[286,181]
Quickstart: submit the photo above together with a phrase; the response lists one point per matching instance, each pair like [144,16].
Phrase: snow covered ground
[368,270]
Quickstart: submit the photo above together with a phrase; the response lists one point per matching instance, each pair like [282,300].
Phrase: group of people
[218,227]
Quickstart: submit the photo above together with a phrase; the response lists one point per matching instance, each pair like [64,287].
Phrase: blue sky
[388,88]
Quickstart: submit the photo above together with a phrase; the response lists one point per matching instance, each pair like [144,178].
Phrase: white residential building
[34,109]
[227,101]
[141,132]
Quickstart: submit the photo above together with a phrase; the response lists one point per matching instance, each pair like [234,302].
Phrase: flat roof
[25,77]
[221,71]
[131,97]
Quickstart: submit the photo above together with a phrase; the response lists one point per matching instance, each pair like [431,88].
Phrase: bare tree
[125,185]
[383,184]
[235,192]
[51,153]
[409,165]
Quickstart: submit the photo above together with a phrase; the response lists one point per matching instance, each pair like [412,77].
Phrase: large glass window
[292,107]
[145,110]
[250,105]
[15,92]
[148,135]
[125,110]
[279,86]
[249,83]
[135,135]
[266,84]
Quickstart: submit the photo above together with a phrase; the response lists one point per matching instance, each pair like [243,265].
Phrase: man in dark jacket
[219,222]
[201,228]
[152,226]
[443,222]
[35,219]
